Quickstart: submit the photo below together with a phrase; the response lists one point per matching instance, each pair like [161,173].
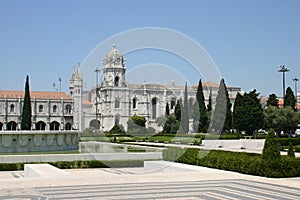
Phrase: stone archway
[95,124]
[54,126]
[40,125]
[68,126]
[11,126]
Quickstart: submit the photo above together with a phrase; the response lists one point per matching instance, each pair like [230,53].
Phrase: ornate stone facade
[117,100]
[50,110]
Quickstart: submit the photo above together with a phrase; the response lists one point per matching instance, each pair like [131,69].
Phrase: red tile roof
[211,84]
[86,102]
[11,94]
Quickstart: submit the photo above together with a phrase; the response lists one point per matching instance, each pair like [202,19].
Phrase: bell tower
[114,69]
[76,91]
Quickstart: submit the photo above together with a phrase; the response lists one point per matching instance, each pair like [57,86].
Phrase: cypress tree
[26,113]
[272,100]
[178,110]
[222,113]
[209,105]
[200,117]
[185,112]
[271,151]
[291,152]
[228,119]
[167,109]
[289,98]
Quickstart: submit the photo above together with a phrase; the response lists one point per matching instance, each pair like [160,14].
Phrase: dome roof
[114,57]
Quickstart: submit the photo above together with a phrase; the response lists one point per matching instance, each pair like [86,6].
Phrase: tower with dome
[116,100]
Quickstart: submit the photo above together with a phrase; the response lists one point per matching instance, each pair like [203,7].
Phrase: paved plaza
[134,183]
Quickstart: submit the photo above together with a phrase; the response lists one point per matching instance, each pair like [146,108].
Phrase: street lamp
[283,69]
[59,79]
[97,71]
[296,80]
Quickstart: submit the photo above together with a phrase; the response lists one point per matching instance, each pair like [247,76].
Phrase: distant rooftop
[12,94]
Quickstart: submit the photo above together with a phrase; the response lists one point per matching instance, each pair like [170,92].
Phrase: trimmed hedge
[287,141]
[78,164]
[246,163]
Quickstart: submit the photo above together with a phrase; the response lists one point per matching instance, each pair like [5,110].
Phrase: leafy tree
[167,109]
[200,118]
[26,114]
[248,114]
[185,112]
[272,100]
[291,152]
[289,98]
[136,125]
[281,119]
[171,126]
[117,129]
[178,110]
[161,120]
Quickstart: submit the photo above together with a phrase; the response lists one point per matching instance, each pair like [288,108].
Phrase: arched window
[117,119]
[1,126]
[134,103]
[40,125]
[95,124]
[68,109]
[41,108]
[68,126]
[54,109]
[11,126]
[173,103]
[117,79]
[54,125]
[117,103]
[12,108]
[154,103]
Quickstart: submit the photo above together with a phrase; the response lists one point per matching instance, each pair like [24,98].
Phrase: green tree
[209,105]
[291,152]
[248,113]
[136,125]
[222,115]
[167,109]
[172,125]
[26,113]
[161,120]
[271,151]
[117,129]
[178,110]
[281,119]
[185,112]
[289,98]
[200,118]
[272,100]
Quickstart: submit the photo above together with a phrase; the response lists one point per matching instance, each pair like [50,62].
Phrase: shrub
[291,151]
[247,163]
[271,152]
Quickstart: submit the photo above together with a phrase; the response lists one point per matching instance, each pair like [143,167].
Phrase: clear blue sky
[247,39]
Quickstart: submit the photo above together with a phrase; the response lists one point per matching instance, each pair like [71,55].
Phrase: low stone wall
[43,158]
[38,141]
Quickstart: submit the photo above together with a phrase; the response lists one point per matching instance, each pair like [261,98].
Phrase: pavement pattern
[133,183]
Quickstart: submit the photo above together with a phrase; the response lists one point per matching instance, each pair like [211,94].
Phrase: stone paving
[133,183]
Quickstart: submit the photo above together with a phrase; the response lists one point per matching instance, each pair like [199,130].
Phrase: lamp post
[59,79]
[97,71]
[296,80]
[283,69]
